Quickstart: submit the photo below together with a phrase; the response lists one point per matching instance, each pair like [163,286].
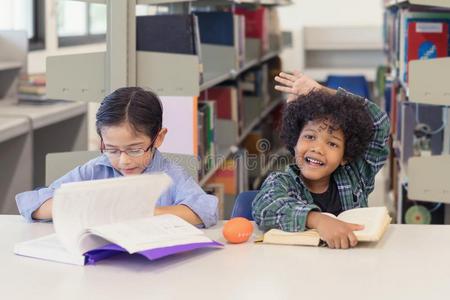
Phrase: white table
[411,262]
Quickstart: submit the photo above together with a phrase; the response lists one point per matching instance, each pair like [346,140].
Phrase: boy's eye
[111,151]
[308,137]
[334,145]
[134,151]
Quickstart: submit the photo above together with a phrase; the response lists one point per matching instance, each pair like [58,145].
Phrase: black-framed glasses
[115,153]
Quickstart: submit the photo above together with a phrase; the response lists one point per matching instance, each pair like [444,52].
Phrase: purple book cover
[106,251]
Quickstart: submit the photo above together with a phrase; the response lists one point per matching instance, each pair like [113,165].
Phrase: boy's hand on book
[297,84]
[337,234]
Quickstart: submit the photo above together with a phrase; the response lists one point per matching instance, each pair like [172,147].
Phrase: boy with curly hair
[339,141]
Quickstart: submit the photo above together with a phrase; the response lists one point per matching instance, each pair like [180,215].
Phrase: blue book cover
[216,28]
[166,33]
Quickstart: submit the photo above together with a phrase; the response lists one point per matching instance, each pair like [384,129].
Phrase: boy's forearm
[44,212]
[329,90]
[181,211]
[313,219]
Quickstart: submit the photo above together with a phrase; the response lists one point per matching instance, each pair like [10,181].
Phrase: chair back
[58,164]
[243,205]
[355,84]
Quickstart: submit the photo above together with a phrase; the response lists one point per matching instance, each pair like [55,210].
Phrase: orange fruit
[237,230]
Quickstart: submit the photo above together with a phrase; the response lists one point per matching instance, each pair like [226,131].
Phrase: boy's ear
[160,138]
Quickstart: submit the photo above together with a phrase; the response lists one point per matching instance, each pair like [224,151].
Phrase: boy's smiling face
[319,152]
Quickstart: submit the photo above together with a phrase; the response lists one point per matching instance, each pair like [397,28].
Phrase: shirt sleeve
[377,152]
[279,205]
[28,202]
[190,194]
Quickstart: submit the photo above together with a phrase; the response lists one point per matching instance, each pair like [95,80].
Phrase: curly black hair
[343,110]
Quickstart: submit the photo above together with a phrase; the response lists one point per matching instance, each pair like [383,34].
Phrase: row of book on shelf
[414,33]
[250,32]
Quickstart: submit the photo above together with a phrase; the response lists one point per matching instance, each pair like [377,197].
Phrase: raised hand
[297,84]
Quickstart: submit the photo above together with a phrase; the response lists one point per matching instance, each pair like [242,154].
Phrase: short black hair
[344,111]
[142,109]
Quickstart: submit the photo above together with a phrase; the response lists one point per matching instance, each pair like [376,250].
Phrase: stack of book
[32,87]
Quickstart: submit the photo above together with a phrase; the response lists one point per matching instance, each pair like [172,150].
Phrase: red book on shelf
[256,24]
[427,40]
[226,99]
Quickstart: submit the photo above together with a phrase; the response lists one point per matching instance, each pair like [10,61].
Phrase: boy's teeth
[314,161]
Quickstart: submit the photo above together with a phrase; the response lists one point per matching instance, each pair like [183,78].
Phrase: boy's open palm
[295,84]
[338,234]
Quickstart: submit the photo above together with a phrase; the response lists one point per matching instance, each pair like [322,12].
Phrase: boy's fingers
[356,227]
[288,76]
[330,244]
[337,243]
[284,81]
[283,89]
[353,240]
[344,243]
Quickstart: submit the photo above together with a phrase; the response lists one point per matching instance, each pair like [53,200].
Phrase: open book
[96,219]
[374,219]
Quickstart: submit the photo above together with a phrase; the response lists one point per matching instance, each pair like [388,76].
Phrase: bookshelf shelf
[427,89]
[211,80]
[9,65]
[225,152]
[12,127]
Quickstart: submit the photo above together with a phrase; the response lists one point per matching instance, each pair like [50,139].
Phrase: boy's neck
[318,186]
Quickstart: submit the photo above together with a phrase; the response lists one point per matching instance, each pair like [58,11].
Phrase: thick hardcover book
[375,220]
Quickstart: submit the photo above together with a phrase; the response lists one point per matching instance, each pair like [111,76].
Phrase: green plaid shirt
[284,201]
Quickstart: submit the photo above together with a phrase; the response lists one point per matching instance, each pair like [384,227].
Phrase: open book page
[148,233]
[50,248]
[374,219]
[78,206]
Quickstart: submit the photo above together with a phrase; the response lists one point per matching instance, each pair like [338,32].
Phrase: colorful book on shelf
[256,25]
[209,110]
[226,98]
[426,40]
[94,220]
[404,18]
[223,29]
[167,33]
[216,27]
[375,220]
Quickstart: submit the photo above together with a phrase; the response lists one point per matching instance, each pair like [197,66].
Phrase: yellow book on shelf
[375,221]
